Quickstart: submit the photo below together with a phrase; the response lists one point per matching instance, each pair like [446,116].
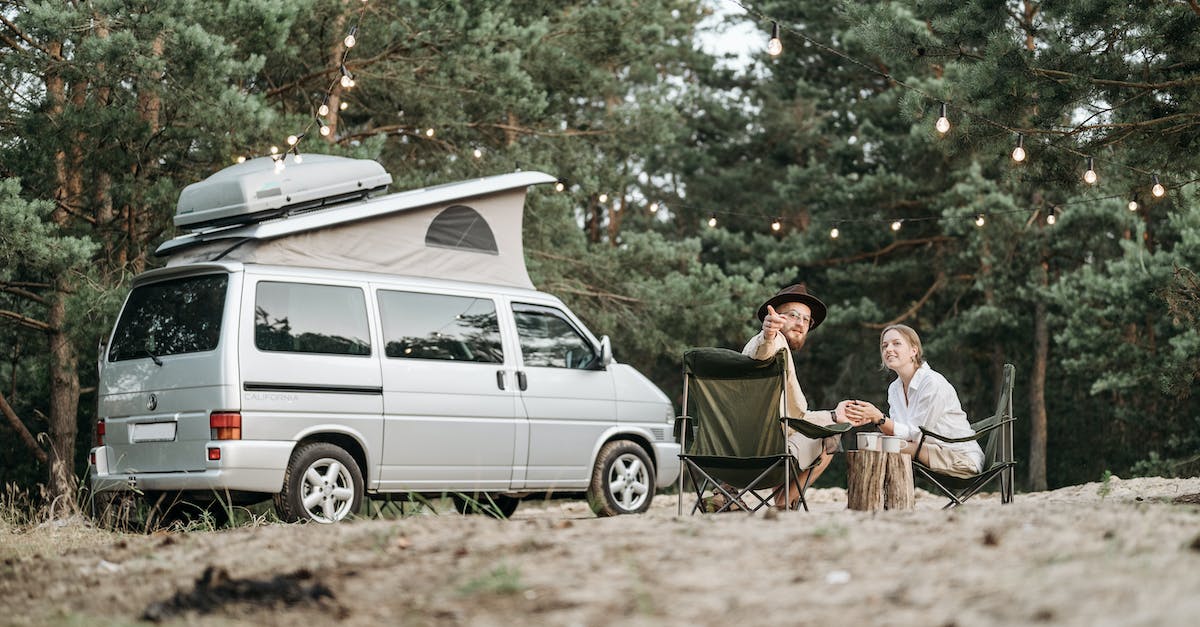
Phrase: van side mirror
[605,352]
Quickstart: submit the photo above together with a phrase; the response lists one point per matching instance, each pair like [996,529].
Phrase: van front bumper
[245,466]
[668,463]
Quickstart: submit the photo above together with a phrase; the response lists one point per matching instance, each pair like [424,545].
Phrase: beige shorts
[949,461]
[805,450]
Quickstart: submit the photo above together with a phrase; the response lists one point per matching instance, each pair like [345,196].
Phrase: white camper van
[311,342]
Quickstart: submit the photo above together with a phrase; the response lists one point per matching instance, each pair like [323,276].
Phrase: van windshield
[170,318]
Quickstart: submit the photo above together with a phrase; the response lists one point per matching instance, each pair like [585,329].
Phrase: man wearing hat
[787,318]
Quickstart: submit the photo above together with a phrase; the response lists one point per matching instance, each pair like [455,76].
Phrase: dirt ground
[1125,552]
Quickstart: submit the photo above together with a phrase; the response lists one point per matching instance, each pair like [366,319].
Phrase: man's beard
[794,344]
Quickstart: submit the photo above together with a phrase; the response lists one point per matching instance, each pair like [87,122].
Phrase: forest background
[113,106]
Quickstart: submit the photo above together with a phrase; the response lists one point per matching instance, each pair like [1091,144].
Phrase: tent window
[461,228]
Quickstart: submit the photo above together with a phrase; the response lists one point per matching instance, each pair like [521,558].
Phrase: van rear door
[165,370]
[450,401]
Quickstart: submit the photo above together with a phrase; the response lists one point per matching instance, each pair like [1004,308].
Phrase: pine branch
[31,43]
[24,321]
[1195,6]
[890,248]
[912,311]
[26,294]
[22,431]
[1059,74]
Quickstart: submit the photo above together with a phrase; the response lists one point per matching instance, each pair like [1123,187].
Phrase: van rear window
[171,318]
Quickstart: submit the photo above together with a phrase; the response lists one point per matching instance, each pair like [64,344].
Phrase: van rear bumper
[246,466]
[668,463]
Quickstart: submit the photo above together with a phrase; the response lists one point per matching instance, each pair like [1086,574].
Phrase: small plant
[1105,484]
[501,580]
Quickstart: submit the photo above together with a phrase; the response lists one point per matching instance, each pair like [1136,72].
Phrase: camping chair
[997,452]
[730,434]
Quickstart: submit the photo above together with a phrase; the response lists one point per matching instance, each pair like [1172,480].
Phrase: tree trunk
[64,405]
[1037,391]
[864,481]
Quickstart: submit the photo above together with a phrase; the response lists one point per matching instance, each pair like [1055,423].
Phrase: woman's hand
[859,413]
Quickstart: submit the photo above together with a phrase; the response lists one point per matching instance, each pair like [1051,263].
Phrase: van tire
[494,505]
[622,480]
[336,497]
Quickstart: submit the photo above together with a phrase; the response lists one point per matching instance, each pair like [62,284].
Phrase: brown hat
[797,293]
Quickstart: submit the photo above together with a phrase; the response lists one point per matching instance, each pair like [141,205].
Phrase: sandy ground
[1121,553]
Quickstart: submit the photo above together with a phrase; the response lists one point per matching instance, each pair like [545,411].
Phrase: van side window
[304,318]
[548,339]
[436,326]
[171,318]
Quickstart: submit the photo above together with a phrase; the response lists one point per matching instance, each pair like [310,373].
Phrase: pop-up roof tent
[321,214]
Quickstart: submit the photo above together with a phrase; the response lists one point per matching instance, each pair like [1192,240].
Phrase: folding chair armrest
[969,438]
[814,430]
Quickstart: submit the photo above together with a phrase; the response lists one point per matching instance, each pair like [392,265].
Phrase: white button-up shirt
[932,403]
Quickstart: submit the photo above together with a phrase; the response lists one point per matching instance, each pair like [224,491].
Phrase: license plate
[153,432]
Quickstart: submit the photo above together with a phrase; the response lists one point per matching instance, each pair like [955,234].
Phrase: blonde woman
[920,397]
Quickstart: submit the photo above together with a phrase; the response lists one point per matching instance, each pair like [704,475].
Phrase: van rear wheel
[622,480]
[323,484]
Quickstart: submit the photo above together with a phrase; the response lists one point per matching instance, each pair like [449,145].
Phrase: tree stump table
[879,480]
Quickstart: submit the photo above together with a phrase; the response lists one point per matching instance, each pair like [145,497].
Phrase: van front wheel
[622,480]
[323,484]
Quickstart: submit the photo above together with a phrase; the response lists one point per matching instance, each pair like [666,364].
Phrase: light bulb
[603,198]
[241,159]
[274,150]
[350,40]
[776,225]
[1133,205]
[1050,219]
[292,139]
[345,105]
[478,153]
[279,166]
[325,130]
[775,45]
[943,123]
[834,233]
[297,158]
[653,207]
[712,221]
[896,225]
[347,81]
[558,186]
[323,110]
[429,132]
[979,221]
[1089,176]
[1018,153]
[1158,190]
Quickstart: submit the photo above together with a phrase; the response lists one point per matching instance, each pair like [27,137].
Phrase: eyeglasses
[796,316]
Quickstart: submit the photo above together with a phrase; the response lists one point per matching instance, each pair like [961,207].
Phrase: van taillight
[100,433]
[226,426]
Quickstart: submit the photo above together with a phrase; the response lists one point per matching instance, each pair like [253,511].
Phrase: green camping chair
[731,433]
[997,452]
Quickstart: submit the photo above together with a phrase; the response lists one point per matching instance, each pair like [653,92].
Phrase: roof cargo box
[253,191]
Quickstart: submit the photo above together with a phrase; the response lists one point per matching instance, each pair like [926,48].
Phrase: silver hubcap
[327,490]
[628,482]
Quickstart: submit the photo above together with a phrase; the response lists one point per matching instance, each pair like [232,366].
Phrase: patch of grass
[502,580]
[829,531]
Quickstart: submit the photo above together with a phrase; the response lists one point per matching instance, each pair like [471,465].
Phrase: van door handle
[522,382]
[500,379]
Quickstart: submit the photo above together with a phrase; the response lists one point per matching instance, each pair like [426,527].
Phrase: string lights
[1019,154]
[943,123]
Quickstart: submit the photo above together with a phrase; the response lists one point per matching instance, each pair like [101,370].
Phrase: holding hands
[858,413]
